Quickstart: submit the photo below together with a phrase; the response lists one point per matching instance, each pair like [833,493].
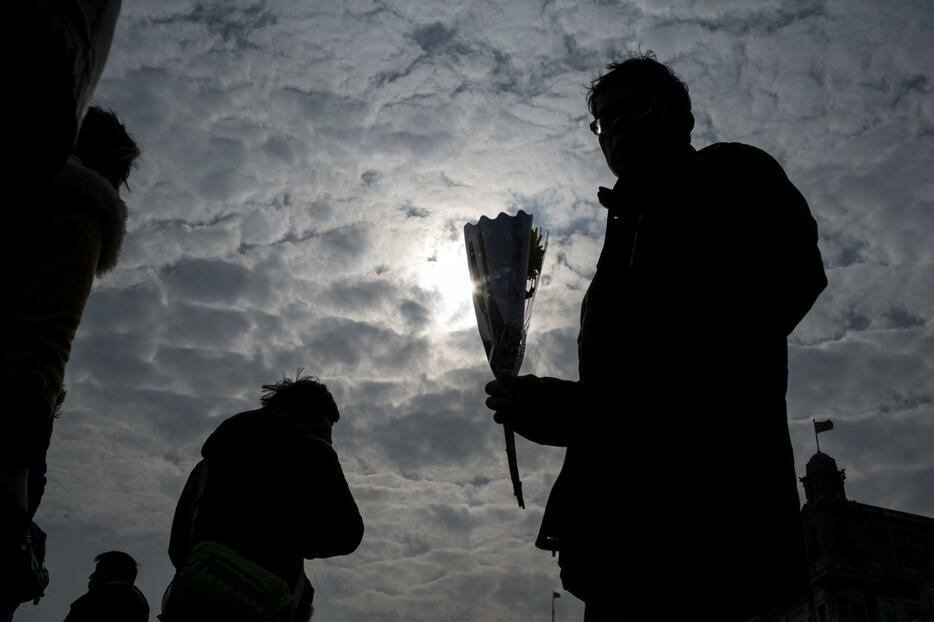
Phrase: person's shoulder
[123,597]
[80,607]
[232,431]
[81,190]
[739,156]
[238,423]
[263,432]
[80,187]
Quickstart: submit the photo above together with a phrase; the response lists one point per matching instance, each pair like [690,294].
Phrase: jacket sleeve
[797,271]
[334,525]
[779,260]
[554,413]
[180,538]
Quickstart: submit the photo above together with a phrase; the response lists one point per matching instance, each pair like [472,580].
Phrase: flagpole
[816,437]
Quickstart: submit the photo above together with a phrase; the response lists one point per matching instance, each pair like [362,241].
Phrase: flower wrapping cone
[498,260]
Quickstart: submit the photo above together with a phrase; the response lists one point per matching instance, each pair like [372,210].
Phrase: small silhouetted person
[51,249]
[111,595]
[677,498]
[271,488]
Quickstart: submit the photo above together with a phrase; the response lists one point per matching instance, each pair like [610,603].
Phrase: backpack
[218,583]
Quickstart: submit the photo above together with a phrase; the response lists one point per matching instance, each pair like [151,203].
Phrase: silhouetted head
[113,566]
[306,397]
[105,146]
[642,112]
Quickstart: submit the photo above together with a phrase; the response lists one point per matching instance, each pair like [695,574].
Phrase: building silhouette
[866,563]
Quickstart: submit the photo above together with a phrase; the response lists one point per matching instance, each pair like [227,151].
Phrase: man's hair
[116,564]
[104,146]
[659,78]
[301,395]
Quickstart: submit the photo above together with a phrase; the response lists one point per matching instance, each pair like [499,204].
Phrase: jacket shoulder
[276,437]
[233,430]
[739,157]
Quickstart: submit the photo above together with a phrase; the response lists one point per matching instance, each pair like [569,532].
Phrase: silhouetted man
[111,595]
[678,498]
[270,491]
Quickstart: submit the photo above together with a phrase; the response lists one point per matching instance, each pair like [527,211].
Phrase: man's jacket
[275,493]
[112,601]
[680,470]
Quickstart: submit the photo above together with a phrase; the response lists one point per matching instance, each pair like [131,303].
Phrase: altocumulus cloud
[307,169]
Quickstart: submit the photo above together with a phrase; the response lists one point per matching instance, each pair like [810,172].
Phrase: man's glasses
[630,111]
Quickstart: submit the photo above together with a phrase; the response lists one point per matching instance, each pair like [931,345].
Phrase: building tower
[823,481]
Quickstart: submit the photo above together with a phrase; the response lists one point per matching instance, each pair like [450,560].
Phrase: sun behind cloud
[443,272]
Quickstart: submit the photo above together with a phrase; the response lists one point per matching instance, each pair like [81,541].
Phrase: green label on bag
[219,580]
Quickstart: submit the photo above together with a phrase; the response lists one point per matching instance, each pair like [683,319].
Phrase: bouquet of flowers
[505,257]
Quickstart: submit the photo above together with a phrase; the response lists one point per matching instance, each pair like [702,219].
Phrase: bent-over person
[268,494]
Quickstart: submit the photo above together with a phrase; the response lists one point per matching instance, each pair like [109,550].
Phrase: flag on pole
[823,426]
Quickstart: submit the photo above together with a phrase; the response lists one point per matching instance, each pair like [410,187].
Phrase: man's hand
[532,406]
[510,394]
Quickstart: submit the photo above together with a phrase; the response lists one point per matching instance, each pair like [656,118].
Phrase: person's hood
[78,187]
[256,430]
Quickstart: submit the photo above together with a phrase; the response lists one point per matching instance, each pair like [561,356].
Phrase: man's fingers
[498,403]
[498,388]
[510,385]
[506,416]
[608,198]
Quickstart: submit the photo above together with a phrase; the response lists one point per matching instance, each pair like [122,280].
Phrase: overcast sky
[307,170]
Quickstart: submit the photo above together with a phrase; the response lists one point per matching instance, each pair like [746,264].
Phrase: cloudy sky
[307,171]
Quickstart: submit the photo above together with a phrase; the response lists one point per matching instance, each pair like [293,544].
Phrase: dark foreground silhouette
[61,50]
[268,493]
[55,54]
[111,595]
[678,498]
[54,246]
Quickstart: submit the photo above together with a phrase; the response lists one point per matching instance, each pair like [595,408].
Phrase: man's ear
[690,124]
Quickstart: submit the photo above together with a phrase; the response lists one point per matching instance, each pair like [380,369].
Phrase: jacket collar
[78,187]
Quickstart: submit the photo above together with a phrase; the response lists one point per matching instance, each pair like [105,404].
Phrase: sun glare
[443,272]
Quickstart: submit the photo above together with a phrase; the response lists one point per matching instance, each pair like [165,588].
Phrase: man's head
[306,397]
[113,566]
[105,146]
[642,112]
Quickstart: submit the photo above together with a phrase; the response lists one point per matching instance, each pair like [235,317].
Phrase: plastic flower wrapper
[505,257]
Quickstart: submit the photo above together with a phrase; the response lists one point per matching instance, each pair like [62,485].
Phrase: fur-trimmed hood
[81,188]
